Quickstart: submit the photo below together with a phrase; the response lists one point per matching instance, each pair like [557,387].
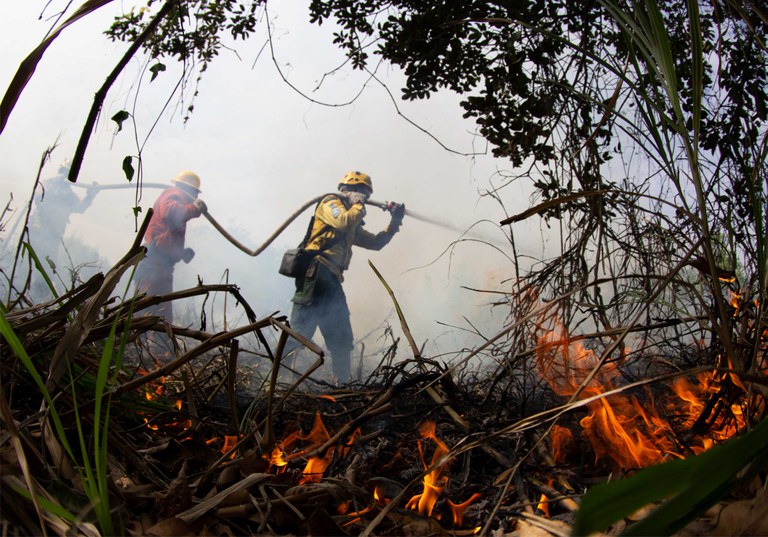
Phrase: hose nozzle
[391,206]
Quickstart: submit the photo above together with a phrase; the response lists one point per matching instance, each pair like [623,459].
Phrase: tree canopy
[538,76]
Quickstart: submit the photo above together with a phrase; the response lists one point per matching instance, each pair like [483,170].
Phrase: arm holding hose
[397,210]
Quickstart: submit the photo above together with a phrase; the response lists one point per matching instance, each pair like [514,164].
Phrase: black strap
[303,242]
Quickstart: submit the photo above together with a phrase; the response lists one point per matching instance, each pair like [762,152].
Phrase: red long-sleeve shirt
[168,227]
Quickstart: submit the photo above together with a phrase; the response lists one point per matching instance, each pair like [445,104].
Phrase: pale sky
[261,151]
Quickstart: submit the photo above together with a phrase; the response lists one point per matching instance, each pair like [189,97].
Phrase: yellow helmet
[357,179]
[188,178]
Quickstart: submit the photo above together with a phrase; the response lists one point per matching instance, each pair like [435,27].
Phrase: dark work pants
[327,310]
[154,276]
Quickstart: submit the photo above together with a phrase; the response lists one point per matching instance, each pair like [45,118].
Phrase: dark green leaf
[136,211]
[128,167]
[156,69]
[118,118]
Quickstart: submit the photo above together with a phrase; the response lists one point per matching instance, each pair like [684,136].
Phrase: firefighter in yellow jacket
[319,301]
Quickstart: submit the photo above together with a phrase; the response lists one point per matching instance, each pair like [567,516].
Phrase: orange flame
[734,301]
[151,426]
[316,465]
[693,396]
[543,505]
[277,458]
[378,495]
[457,510]
[620,428]
[156,390]
[434,481]
[356,516]
[279,455]
[230,441]
[562,441]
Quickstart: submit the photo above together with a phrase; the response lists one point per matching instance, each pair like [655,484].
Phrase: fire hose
[384,205]
[253,253]
[120,186]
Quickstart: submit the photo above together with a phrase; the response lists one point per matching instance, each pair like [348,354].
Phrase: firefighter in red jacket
[319,301]
[164,239]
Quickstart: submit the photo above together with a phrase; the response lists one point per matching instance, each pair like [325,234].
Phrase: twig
[27,67]
[190,515]
[231,377]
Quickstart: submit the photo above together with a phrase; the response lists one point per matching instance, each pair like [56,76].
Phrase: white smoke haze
[262,151]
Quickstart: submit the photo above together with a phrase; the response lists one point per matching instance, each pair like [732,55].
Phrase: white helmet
[188,178]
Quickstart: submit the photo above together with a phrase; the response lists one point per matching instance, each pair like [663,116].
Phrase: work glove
[397,210]
[187,255]
[201,206]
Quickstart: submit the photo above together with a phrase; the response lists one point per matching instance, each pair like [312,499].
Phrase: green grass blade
[690,486]
[21,353]
[697,67]
[101,433]
[39,266]
[48,505]
[661,55]
[90,481]
[757,196]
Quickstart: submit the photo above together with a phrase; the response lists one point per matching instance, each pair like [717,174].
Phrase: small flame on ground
[543,505]
[156,390]
[277,458]
[562,440]
[316,465]
[153,390]
[693,396]
[356,515]
[434,481]
[379,496]
[457,510]
[151,426]
[230,441]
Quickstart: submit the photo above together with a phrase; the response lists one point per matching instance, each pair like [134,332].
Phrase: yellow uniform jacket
[341,227]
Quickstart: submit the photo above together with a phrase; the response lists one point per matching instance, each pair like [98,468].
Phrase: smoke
[262,151]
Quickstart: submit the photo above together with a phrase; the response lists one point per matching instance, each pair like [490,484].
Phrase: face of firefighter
[358,189]
[356,194]
[188,189]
